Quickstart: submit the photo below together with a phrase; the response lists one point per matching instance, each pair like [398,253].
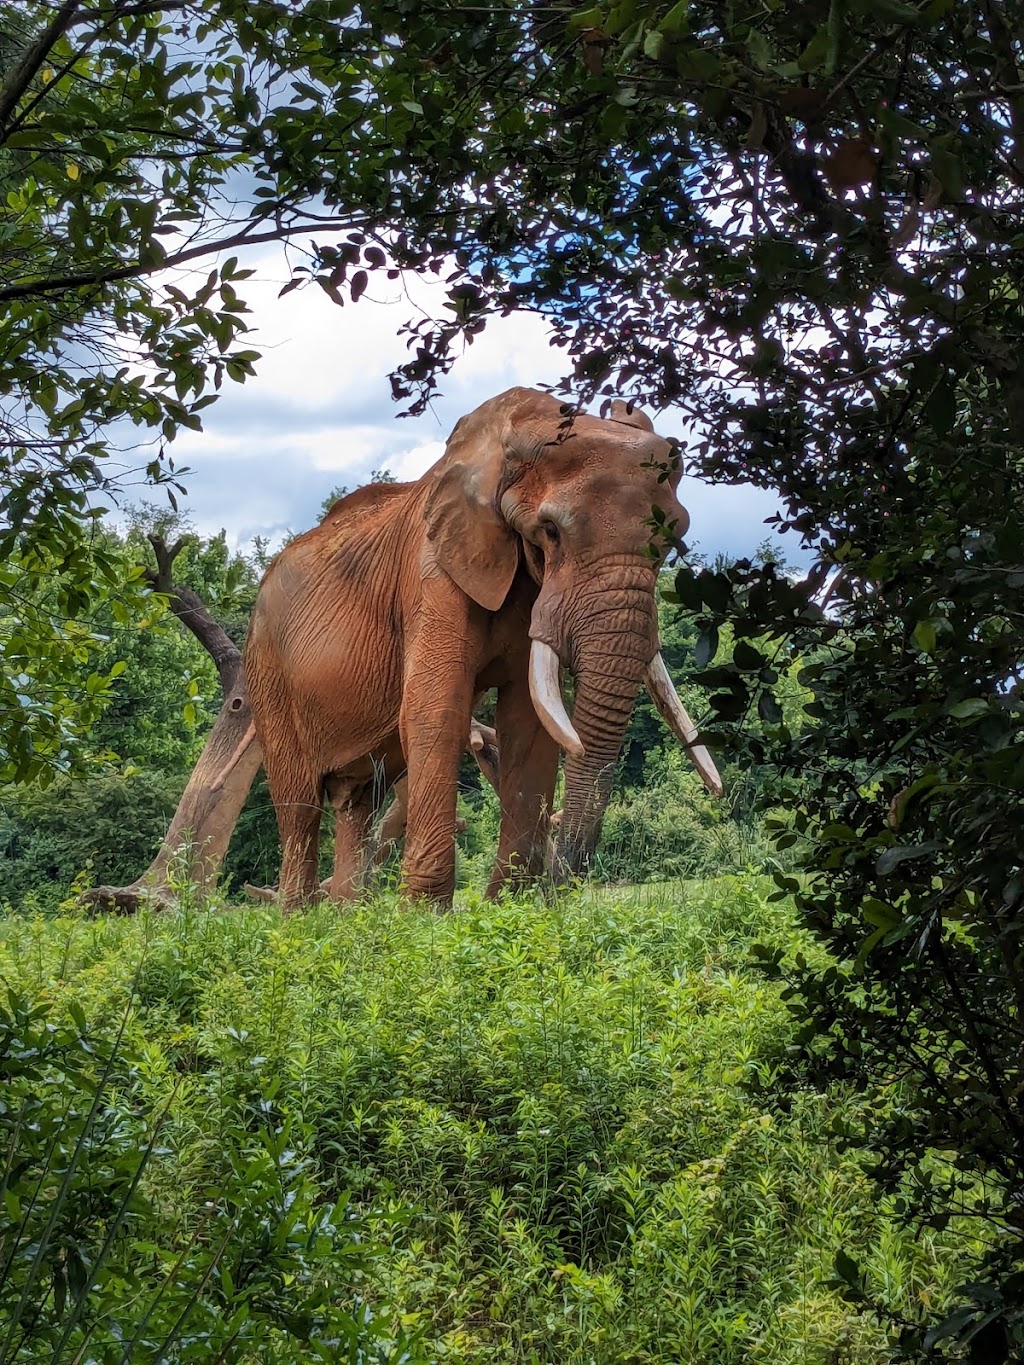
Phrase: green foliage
[668,827]
[168,691]
[109,826]
[124,678]
[798,224]
[153,716]
[57,678]
[560,1127]
[801,226]
[90,1260]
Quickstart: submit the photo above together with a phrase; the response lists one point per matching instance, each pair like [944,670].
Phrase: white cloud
[319,412]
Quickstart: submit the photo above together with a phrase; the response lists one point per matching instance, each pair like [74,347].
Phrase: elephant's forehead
[590,452]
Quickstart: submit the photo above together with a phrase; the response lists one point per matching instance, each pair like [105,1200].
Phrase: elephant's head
[589,506]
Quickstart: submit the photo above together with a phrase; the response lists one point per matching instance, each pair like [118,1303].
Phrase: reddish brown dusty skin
[374,633]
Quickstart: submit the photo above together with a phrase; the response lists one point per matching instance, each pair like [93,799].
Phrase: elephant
[482,745]
[531,546]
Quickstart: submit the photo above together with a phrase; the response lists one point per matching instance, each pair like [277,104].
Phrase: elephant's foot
[503,883]
[440,903]
[430,886]
[431,877]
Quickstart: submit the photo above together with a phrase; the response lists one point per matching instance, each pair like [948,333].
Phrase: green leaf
[901,853]
[706,647]
[687,586]
[950,1326]
[940,410]
[588,18]
[696,63]
[896,11]
[848,1271]
[747,658]
[769,709]
[879,913]
[949,172]
[760,49]
[901,126]
[815,53]
[677,20]
[657,46]
[924,636]
[969,709]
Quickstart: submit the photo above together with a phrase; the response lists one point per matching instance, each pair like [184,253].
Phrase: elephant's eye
[550,530]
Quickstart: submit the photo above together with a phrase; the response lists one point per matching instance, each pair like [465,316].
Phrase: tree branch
[33,288]
[35,54]
[192,612]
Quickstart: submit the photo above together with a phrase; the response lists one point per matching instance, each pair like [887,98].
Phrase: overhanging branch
[35,54]
[37,288]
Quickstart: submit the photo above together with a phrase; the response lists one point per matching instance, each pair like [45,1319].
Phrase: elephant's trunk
[609,636]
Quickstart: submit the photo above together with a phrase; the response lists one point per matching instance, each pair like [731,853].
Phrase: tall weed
[558,1124]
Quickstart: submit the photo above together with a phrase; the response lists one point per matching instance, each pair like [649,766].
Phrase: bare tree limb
[33,288]
[192,612]
[197,839]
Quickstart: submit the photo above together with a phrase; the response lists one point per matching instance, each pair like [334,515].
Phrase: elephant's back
[336,569]
[362,502]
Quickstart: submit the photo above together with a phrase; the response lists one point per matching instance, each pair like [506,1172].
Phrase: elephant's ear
[473,542]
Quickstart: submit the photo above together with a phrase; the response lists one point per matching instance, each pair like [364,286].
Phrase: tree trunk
[200,830]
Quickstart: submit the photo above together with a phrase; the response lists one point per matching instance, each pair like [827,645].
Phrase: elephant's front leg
[434,724]
[529,767]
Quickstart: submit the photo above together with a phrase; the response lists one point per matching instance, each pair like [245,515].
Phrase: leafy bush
[111,825]
[669,827]
[92,1265]
[560,1124]
[255,851]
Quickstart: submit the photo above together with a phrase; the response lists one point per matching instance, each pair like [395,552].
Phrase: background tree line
[103,826]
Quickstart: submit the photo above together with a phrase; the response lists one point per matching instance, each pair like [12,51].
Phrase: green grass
[560,1124]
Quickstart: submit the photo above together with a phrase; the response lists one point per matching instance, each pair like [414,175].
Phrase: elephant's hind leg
[391,827]
[299,806]
[353,813]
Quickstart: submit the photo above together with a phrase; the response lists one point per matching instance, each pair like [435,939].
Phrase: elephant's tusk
[673,712]
[546,692]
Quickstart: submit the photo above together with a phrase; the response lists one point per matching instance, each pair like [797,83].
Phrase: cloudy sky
[319,414]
